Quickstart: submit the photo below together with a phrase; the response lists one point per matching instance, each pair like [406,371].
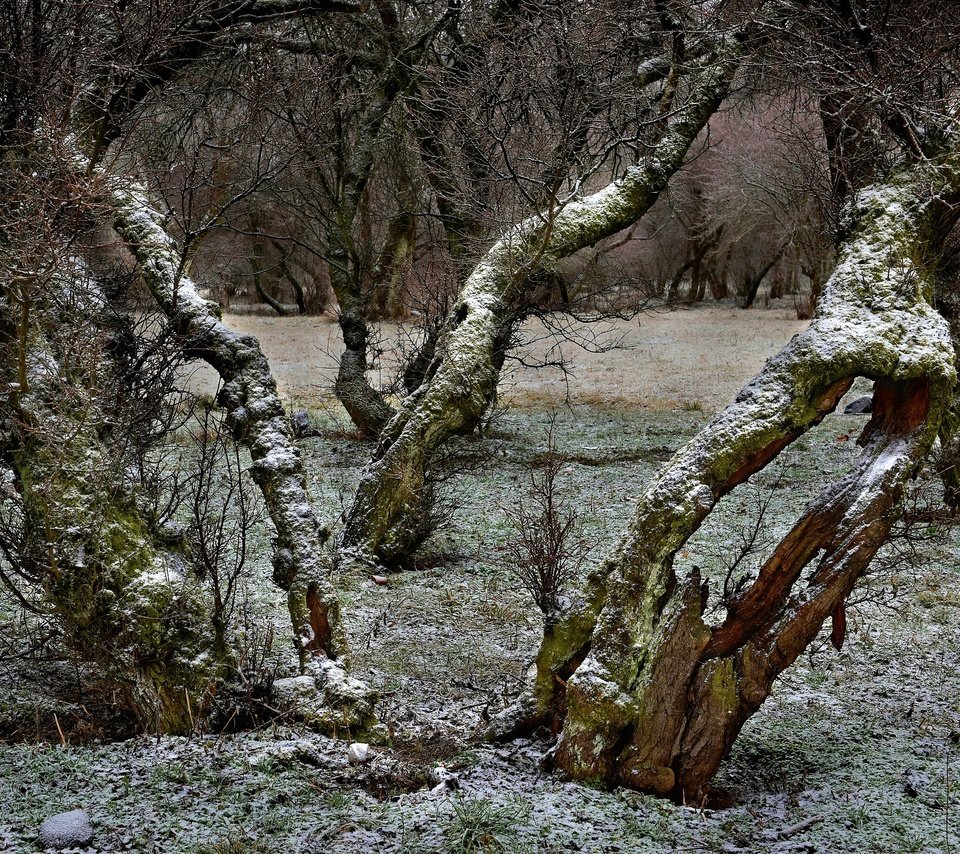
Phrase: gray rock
[859,406]
[66,830]
[914,782]
[301,426]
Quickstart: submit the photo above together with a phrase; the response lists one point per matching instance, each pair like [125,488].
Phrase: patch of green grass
[478,826]
[233,845]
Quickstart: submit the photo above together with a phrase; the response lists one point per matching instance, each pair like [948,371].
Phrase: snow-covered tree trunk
[126,599]
[255,414]
[641,690]
[391,511]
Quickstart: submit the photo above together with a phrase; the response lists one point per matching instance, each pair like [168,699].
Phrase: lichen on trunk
[125,600]
[386,519]
[254,409]
[643,692]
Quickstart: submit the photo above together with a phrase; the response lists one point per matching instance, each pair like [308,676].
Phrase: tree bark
[390,513]
[390,273]
[366,406]
[126,601]
[256,265]
[255,411]
[752,282]
[642,691]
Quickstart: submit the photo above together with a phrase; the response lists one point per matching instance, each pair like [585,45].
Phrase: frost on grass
[873,320]
[837,750]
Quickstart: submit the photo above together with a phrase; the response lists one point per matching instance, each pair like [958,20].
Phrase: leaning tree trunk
[391,510]
[255,414]
[641,690]
[366,406]
[751,284]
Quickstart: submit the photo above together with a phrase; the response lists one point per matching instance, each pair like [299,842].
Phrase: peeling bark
[386,520]
[255,411]
[660,697]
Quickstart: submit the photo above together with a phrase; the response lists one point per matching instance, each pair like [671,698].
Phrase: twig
[63,738]
[193,726]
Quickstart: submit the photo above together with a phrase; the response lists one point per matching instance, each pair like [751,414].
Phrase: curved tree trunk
[366,406]
[642,691]
[392,504]
[256,265]
[751,284]
[297,288]
[255,413]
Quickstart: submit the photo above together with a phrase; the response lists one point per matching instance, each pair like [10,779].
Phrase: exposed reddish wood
[620,718]
[319,622]
[715,715]
[899,407]
[646,762]
[770,591]
[773,642]
[787,633]
[839,630]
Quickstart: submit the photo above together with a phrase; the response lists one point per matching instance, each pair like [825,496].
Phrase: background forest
[425,426]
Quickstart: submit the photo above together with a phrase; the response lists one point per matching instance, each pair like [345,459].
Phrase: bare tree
[462,378]
[72,81]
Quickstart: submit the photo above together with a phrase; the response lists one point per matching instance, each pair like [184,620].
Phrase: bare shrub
[247,700]
[546,548]
[222,509]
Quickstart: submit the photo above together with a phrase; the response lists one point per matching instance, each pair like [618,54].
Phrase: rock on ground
[859,406]
[66,830]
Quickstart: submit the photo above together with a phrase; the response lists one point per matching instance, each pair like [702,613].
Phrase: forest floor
[855,751]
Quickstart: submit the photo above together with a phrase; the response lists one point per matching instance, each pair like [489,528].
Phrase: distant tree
[683,87]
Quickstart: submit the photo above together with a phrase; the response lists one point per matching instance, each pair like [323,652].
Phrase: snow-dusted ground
[856,751]
[699,356]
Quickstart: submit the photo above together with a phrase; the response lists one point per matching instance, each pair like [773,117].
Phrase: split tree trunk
[390,513]
[641,690]
[255,414]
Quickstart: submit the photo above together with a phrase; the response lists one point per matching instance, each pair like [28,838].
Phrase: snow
[833,743]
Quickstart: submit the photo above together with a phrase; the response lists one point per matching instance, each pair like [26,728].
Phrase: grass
[479,826]
[449,644]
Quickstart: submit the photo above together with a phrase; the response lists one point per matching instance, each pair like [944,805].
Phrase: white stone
[358,753]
